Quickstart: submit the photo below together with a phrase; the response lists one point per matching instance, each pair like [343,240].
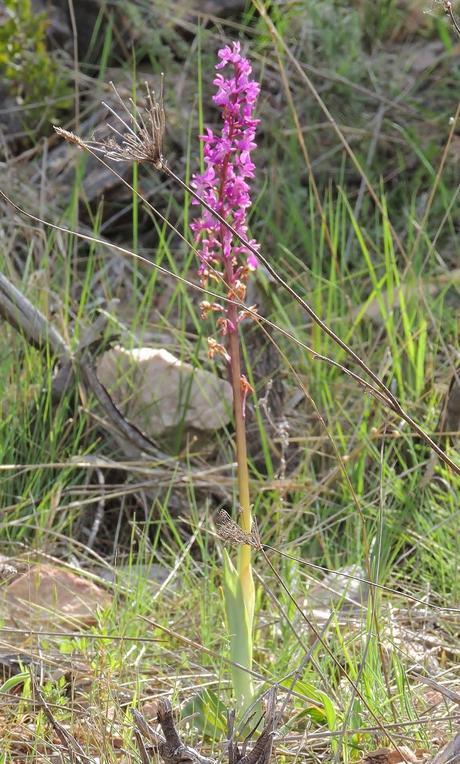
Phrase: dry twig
[450,754]
[172,750]
[449,11]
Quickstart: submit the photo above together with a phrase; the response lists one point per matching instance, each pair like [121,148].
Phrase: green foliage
[240,634]
[331,33]
[378,19]
[208,713]
[14,681]
[30,72]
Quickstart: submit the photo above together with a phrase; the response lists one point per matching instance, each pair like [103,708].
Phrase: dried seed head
[141,140]
[69,137]
[228,530]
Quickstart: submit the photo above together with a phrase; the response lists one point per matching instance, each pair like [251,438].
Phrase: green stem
[239,589]
[244,555]
[243,594]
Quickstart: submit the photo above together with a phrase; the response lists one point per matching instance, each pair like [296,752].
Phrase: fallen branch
[450,754]
[172,750]
[19,312]
[170,747]
[27,320]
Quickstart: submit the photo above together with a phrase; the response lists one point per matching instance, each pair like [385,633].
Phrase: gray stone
[158,393]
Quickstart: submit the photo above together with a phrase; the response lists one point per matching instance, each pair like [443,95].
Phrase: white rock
[158,393]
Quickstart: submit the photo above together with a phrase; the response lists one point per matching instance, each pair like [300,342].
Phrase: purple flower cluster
[224,184]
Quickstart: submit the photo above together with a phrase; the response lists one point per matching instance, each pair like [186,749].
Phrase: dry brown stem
[172,750]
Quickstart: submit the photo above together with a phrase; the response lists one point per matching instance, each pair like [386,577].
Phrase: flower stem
[241,639]
[244,554]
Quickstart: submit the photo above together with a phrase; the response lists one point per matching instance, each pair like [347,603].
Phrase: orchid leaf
[240,634]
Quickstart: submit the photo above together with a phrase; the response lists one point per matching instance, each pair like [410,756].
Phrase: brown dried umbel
[142,138]
[230,531]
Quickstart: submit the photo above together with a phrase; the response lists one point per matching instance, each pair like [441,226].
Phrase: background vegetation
[356,207]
